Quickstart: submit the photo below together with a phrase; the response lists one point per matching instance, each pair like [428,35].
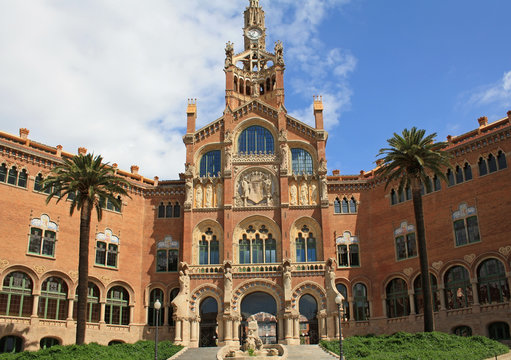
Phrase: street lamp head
[338,299]
[157,304]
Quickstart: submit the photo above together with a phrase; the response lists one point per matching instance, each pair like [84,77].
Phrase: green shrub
[141,350]
[423,346]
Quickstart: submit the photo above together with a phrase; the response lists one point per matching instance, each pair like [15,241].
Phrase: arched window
[393,197]
[466,228]
[209,249]
[501,160]
[93,305]
[360,303]
[22,179]
[301,160]
[177,210]
[418,296]
[11,344]
[483,169]
[3,172]
[458,290]
[353,205]
[397,299]
[43,235]
[467,171]
[344,206]
[499,331]
[343,290]
[408,191]
[406,245]
[492,283]
[427,187]
[117,311]
[53,300]
[167,255]
[107,249]
[347,250]
[161,210]
[401,196]
[311,247]
[257,245]
[168,210]
[172,295]
[255,140]
[436,183]
[462,330]
[459,175]
[151,312]
[211,164]
[235,83]
[115,342]
[492,163]
[450,178]
[16,295]
[48,342]
[12,177]
[337,206]
[38,184]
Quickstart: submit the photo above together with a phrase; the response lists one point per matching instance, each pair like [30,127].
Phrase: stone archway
[309,331]
[208,329]
[262,307]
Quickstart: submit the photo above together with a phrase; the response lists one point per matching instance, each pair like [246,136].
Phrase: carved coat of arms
[255,188]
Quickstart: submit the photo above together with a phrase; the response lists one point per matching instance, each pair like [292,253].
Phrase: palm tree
[88,183]
[409,159]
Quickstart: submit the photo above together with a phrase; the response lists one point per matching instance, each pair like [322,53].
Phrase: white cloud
[499,92]
[114,76]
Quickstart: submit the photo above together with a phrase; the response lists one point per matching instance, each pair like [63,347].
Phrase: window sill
[349,267]
[99,266]
[47,257]
[14,186]
[355,213]
[407,258]
[467,244]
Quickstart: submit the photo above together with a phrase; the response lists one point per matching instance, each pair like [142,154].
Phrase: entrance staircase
[295,352]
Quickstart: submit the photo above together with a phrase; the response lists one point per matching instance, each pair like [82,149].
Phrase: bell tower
[255,72]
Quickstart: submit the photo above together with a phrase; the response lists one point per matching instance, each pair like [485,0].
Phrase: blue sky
[114,76]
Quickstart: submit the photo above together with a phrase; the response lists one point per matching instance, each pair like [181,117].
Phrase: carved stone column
[351,304]
[412,302]
[194,331]
[177,336]
[70,305]
[475,293]
[132,312]
[236,327]
[288,328]
[228,328]
[35,305]
[441,294]
[166,316]
[296,327]
[280,326]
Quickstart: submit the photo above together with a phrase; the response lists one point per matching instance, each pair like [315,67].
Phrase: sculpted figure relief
[255,188]
[189,192]
[229,52]
[227,284]
[219,195]
[303,194]
[209,196]
[283,154]
[228,157]
[314,194]
[198,196]
[279,52]
[324,189]
[293,192]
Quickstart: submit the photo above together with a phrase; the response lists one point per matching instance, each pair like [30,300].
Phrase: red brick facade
[266,185]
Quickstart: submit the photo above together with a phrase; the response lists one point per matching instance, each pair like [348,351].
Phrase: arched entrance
[208,325]
[261,307]
[308,320]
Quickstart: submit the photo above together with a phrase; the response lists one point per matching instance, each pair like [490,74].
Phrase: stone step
[296,352]
[202,353]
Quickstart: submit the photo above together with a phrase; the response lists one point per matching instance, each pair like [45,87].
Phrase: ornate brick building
[256,227]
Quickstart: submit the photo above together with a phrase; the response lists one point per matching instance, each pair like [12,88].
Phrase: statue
[283,135]
[189,192]
[228,136]
[253,341]
[267,187]
[293,194]
[209,196]
[303,194]
[314,194]
[283,150]
[279,52]
[227,284]
[324,189]
[229,52]
[228,156]
[287,281]
[322,165]
[219,195]
[180,302]
[189,169]
[330,274]
[198,196]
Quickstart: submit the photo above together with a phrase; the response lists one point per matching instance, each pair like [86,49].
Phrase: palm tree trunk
[83,272]
[423,257]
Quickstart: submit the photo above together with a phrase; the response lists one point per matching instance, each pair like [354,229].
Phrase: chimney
[449,138]
[156,178]
[191,116]
[82,151]
[483,121]
[134,169]
[509,115]
[318,111]
[24,133]
[379,162]
[336,172]
[59,150]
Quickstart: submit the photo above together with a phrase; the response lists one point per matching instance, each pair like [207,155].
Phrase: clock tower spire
[255,72]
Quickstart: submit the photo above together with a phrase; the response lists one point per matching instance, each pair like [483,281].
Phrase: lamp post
[338,301]
[157,307]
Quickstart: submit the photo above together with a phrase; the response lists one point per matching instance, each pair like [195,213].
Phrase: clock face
[254,33]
